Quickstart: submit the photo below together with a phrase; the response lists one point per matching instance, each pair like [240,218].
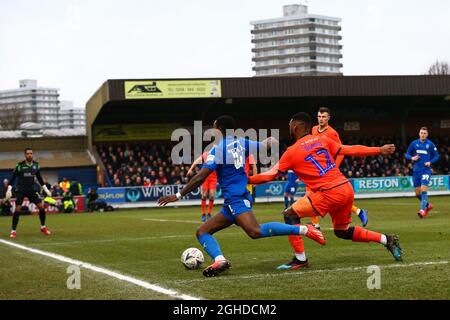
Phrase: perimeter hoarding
[173,89]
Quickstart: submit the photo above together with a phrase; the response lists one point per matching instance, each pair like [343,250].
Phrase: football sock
[219,258]
[364,235]
[295,241]
[291,202]
[42,216]
[424,201]
[355,209]
[210,205]
[315,221]
[210,245]
[419,197]
[15,220]
[271,229]
[203,206]
[286,202]
[301,256]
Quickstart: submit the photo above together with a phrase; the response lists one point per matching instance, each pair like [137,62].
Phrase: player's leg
[341,218]
[425,206]
[42,215]
[299,260]
[204,190]
[212,194]
[246,219]
[286,200]
[211,246]
[16,215]
[362,214]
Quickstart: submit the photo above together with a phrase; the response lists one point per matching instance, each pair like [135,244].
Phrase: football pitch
[145,245]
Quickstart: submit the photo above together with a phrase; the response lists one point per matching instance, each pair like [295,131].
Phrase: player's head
[299,125]
[423,133]
[28,152]
[323,116]
[224,123]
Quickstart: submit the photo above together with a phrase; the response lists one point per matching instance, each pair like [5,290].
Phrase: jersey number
[322,170]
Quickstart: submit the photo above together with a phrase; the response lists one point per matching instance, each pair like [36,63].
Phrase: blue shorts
[290,189]
[421,179]
[237,206]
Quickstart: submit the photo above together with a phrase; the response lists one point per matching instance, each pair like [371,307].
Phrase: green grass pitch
[147,244]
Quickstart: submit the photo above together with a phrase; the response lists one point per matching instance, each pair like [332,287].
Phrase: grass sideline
[147,244]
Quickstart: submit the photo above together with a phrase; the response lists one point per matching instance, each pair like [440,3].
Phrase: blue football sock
[424,202]
[210,244]
[272,229]
[286,202]
[292,201]
[419,197]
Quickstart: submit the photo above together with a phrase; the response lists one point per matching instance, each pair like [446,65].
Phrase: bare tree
[439,68]
[11,117]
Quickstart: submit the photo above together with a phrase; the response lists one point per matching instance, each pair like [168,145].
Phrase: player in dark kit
[25,172]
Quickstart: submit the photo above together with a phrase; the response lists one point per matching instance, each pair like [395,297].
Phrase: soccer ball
[192,258]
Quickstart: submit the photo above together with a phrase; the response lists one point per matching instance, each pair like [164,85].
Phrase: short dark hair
[226,122]
[27,149]
[304,118]
[325,109]
[424,128]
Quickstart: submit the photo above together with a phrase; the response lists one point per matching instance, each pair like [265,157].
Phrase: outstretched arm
[363,151]
[197,180]
[264,177]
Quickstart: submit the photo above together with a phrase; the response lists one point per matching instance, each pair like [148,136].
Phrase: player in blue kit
[290,188]
[423,153]
[228,158]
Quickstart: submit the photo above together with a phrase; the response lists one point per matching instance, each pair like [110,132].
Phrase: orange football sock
[315,220]
[203,206]
[210,205]
[364,235]
[297,244]
[354,209]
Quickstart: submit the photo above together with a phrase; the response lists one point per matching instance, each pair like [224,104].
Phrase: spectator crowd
[149,163]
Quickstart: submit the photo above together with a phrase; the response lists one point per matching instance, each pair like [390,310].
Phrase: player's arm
[264,177]
[435,155]
[409,153]
[196,162]
[14,176]
[364,151]
[196,181]
[41,182]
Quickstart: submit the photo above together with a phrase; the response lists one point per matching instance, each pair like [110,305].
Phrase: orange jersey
[332,134]
[312,160]
[213,176]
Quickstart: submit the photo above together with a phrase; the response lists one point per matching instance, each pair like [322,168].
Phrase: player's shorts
[421,179]
[235,207]
[290,189]
[32,196]
[209,184]
[337,201]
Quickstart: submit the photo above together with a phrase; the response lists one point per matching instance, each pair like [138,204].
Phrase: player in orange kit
[312,158]
[323,128]
[209,187]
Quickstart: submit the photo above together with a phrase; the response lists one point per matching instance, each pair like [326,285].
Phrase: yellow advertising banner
[134,132]
[173,89]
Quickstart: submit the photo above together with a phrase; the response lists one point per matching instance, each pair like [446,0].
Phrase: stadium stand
[149,163]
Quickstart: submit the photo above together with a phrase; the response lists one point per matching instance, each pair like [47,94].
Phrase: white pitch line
[113,274]
[165,220]
[293,273]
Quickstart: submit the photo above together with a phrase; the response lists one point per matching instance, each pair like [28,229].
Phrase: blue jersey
[426,151]
[291,178]
[228,159]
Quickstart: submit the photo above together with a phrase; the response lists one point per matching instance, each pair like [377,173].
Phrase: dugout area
[361,105]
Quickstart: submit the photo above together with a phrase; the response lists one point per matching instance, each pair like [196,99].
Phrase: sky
[75,45]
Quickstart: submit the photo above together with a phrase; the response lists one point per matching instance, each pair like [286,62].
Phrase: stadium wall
[365,188]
